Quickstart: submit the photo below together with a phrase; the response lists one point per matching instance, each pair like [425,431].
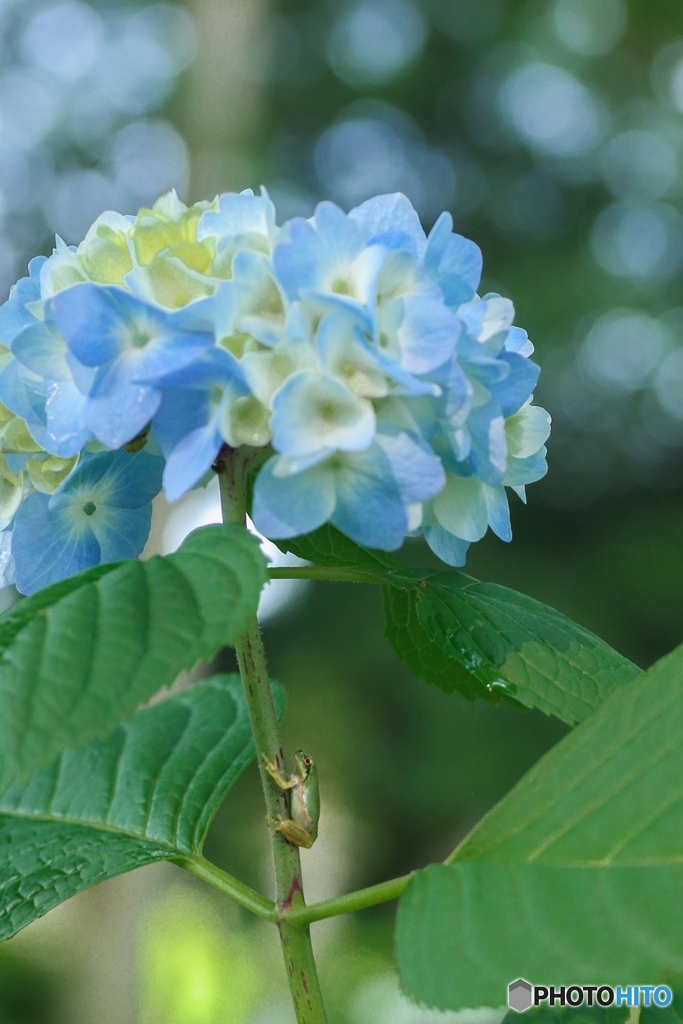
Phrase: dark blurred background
[553,131]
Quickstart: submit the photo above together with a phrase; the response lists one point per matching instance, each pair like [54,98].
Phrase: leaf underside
[147,793]
[576,876]
[79,657]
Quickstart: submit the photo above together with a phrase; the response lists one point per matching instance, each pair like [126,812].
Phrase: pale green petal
[105,253]
[245,421]
[170,228]
[47,474]
[527,431]
[17,438]
[170,282]
[11,493]
[265,371]
[461,507]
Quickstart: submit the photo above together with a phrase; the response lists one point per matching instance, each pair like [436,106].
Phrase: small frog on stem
[301,829]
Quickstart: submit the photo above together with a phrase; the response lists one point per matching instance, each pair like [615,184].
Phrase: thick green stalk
[232,465]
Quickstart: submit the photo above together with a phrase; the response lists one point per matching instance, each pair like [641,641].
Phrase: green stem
[323,572]
[232,465]
[229,886]
[352,901]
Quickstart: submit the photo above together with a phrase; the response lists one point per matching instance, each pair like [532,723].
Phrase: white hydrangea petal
[312,411]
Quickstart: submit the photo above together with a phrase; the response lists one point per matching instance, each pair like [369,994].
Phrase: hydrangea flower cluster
[394,400]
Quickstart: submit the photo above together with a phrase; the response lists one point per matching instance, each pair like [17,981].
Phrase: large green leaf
[576,875]
[146,793]
[327,546]
[485,640]
[466,930]
[610,793]
[79,657]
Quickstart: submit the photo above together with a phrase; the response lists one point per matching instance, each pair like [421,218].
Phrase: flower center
[89,508]
[140,338]
[328,411]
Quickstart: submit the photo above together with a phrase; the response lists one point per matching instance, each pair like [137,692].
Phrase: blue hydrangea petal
[319,253]
[252,302]
[390,216]
[190,459]
[211,368]
[54,536]
[48,546]
[480,367]
[287,506]
[164,355]
[64,404]
[450,549]
[498,511]
[181,411]
[517,340]
[95,321]
[42,350]
[122,479]
[16,463]
[8,572]
[488,455]
[14,315]
[418,472]
[23,401]
[188,421]
[117,409]
[20,392]
[487,318]
[343,356]
[452,262]
[458,395]
[512,392]
[425,331]
[122,533]
[242,221]
[405,383]
[526,471]
[369,508]
[196,317]
[83,376]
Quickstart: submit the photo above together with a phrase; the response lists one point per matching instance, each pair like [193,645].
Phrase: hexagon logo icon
[519,995]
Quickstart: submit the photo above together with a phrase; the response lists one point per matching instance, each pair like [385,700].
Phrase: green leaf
[146,793]
[327,546]
[576,875]
[466,930]
[417,649]
[611,792]
[79,657]
[480,639]
[485,640]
